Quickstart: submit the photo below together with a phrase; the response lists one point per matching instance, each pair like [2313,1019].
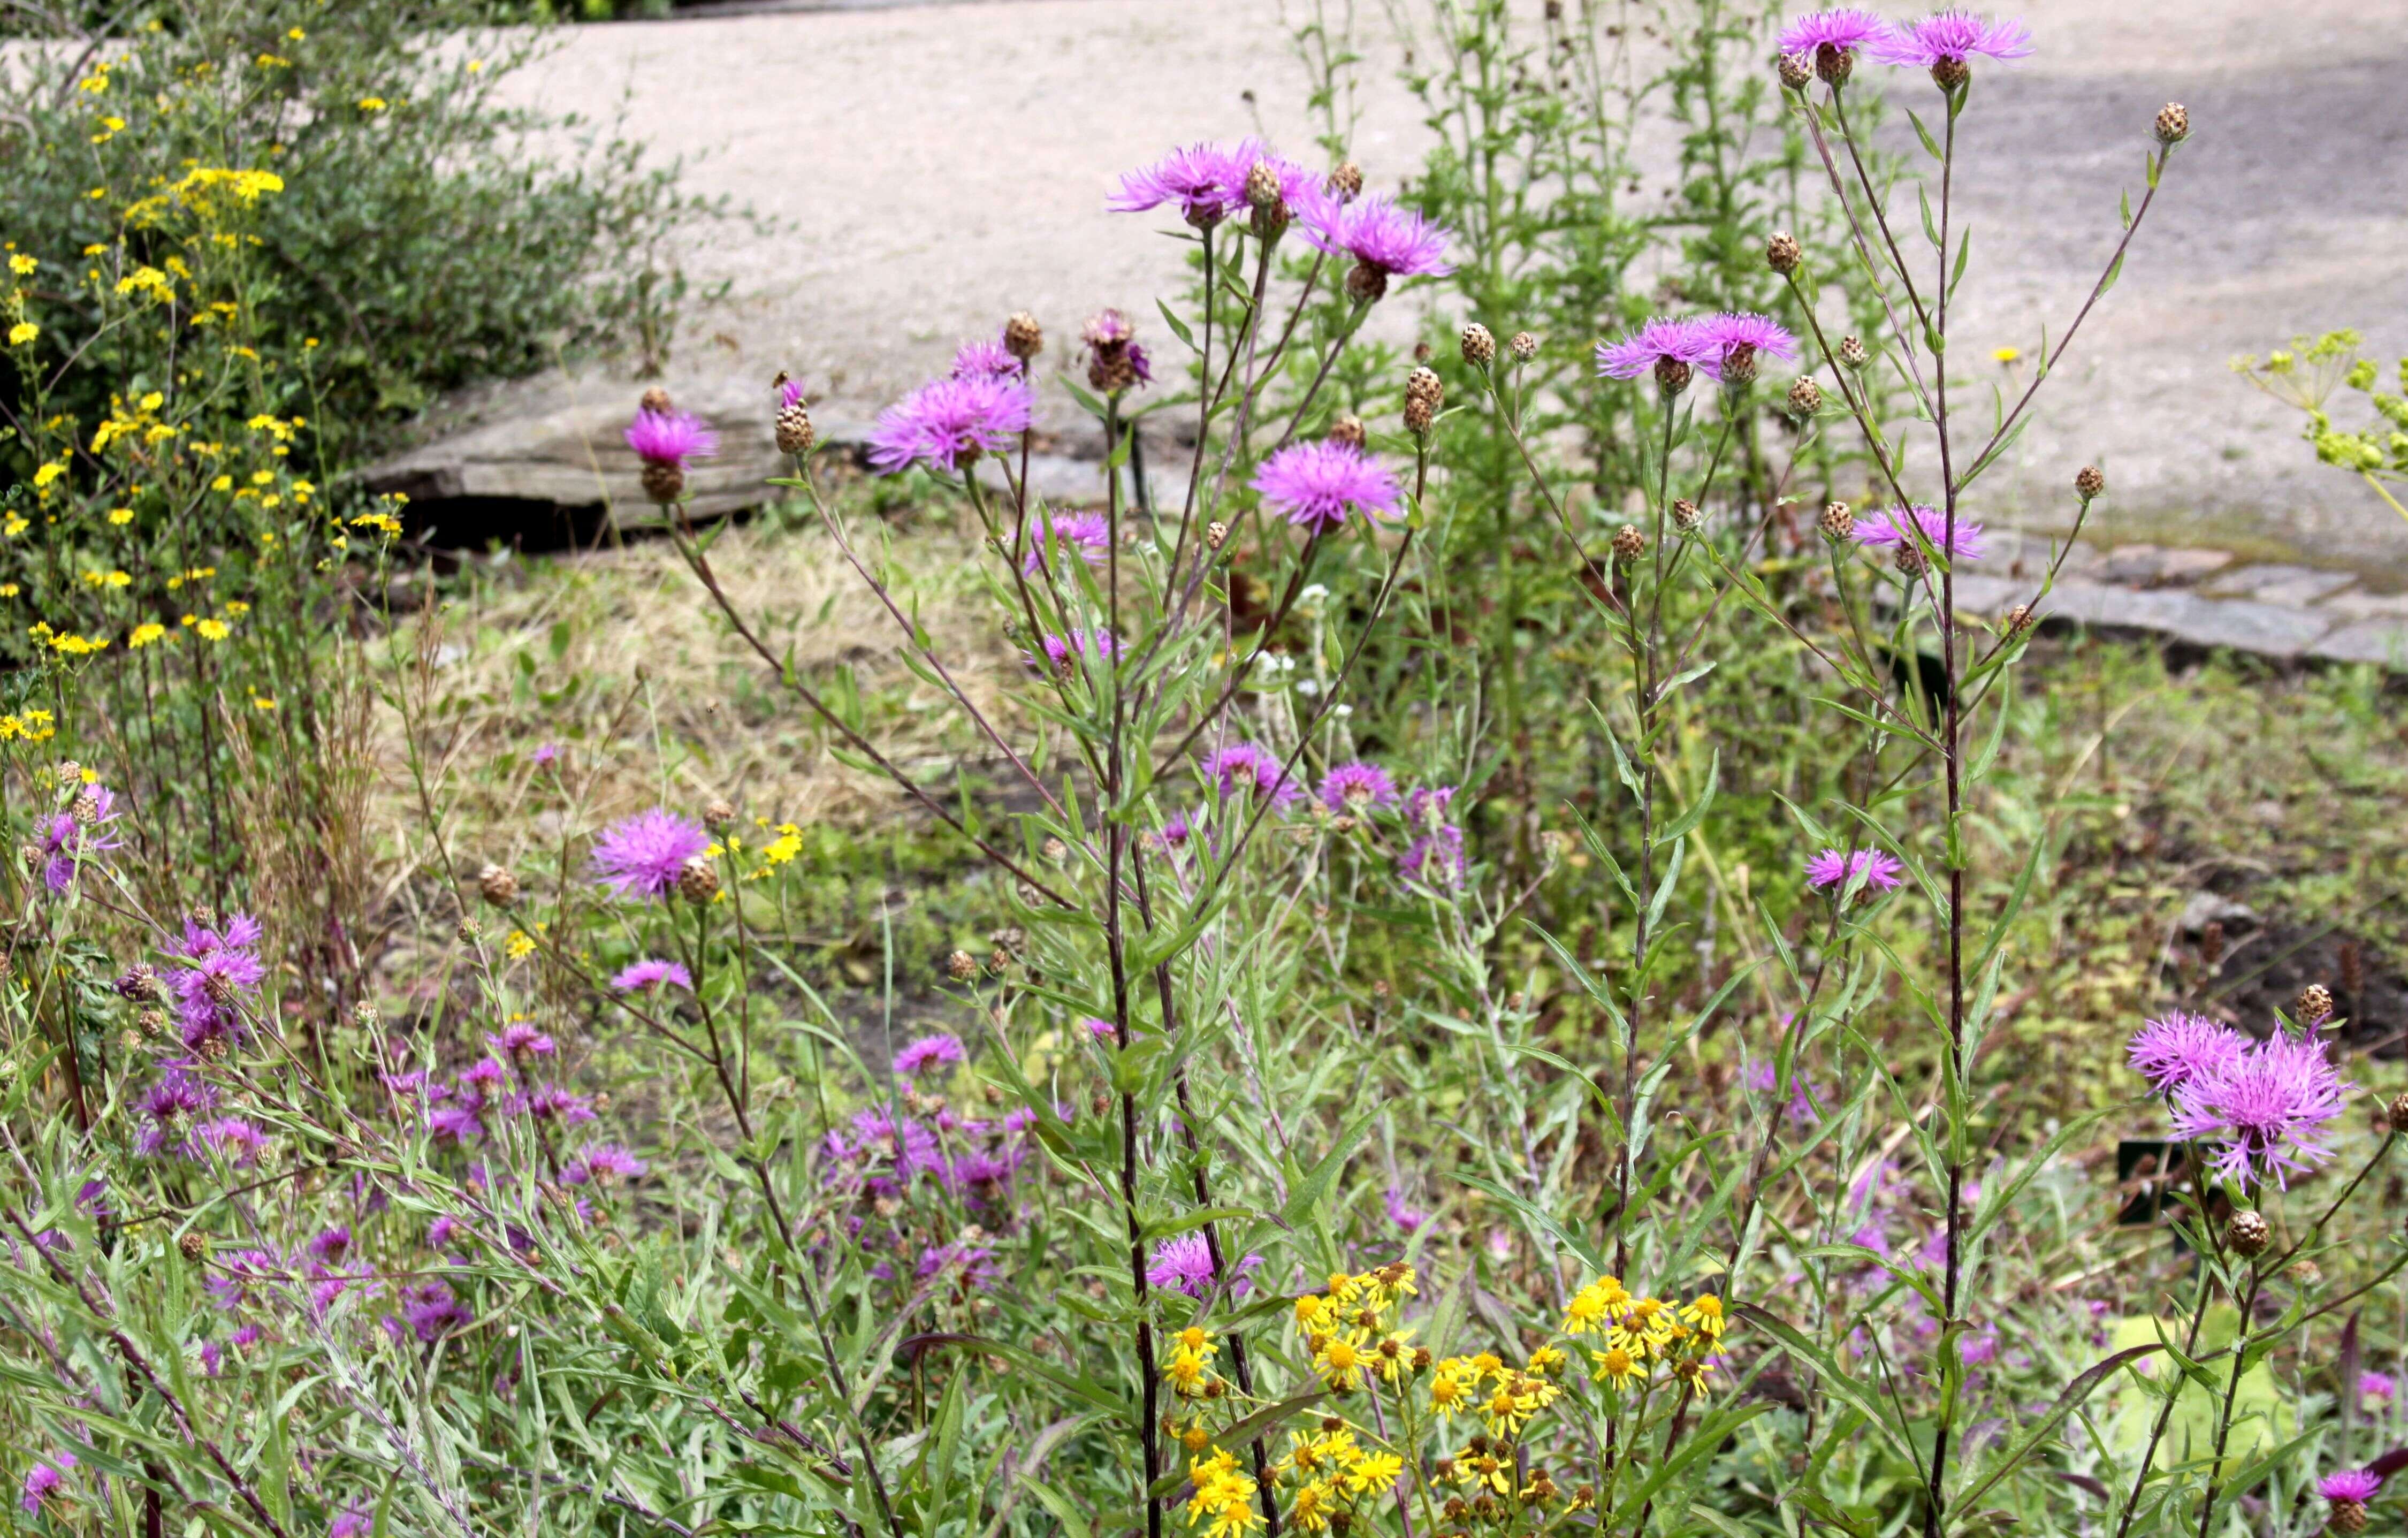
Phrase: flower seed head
[1796,70]
[1837,521]
[1629,543]
[192,1246]
[1523,346]
[961,966]
[2313,1006]
[1805,397]
[1366,282]
[1347,429]
[795,434]
[498,885]
[2089,483]
[1263,188]
[664,481]
[1479,345]
[1782,253]
[1347,181]
[2174,123]
[719,816]
[140,984]
[698,880]
[2247,1234]
[655,400]
[1023,337]
[1852,351]
[1685,516]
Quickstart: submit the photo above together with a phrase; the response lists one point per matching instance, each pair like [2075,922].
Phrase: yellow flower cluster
[1639,1333]
[1346,1330]
[1190,1368]
[1224,1493]
[28,726]
[1333,1474]
[205,189]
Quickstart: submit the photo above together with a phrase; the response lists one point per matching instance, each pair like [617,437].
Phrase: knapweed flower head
[1249,770]
[1950,38]
[521,1039]
[947,423]
[2270,1110]
[42,1480]
[926,1053]
[987,359]
[1206,181]
[73,837]
[1086,535]
[1403,1214]
[1891,527]
[225,972]
[1830,38]
[2359,1485]
[1115,360]
[2173,1052]
[1318,485]
[1358,788]
[602,1163]
[1738,340]
[1668,348]
[647,975]
[1834,868]
[1064,653]
[169,1109]
[2374,1390]
[670,437]
[644,856]
[1387,242]
[232,1139]
[1185,1264]
[1435,860]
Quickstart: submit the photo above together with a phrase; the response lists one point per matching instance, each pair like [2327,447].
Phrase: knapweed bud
[1055,851]
[2247,1234]
[2346,1516]
[1216,534]
[2314,1005]
[497,885]
[469,933]
[364,1015]
[1852,351]
[84,810]
[1671,375]
[140,984]
[2397,1114]
[655,400]
[1805,397]
[151,1021]
[664,481]
[2019,620]
[961,966]
[1023,337]
[1782,253]
[2089,483]
[1346,182]
[1523,346]
[1837,521]
[795,434]
[1834,63]
[1796,70]
[2307,1273]
[1424,394]
[1366,282]
[192,1246]
[1950,73]
[1348,429]
[719,816]
[698,880]
[1909,559]
[1685,516]
[1479,345]
[1629,543]
[2174,123]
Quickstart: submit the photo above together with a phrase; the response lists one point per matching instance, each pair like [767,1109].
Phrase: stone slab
[2383,641]
[2298,586]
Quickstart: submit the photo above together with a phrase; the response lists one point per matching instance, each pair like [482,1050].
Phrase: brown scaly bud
[85,810]
[664,481]
[151,1023]
[1837,521]
[1366,282]
[961,966]
[1852,351]
[470,932]
[1797,71]
[1216,534]
[212,1049]
[796,434]
[1909,559]
[1055,851]
[1424,394]
[1782,253]
[192,1246]
[719,816]
[2247,1234]
[140,984]
[1418,418]
[698,880]
[1523,346]
[2346,1516]
[1739,366]
[1671,375]
[364,1015]
[1479,345]
[2174,123]
[2307,1273]
[1685,516]
[1805,397]
[1348,430]
[2313,1006]
[655,400]
[1629,543]
[497,885]
[2397,1115]
[1950,74]
[1023,337]
[1346,182]
[2089,483]
[1834,63]
[2019,620]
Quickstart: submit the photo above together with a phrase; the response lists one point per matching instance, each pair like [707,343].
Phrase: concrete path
[934,166]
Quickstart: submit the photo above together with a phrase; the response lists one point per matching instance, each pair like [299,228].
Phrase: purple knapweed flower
[2359,1485]
[1889,527]
[1085,535]
[928,1052]
[73,837]
[1738,340]
[1207,182]
[670,437]
[1063,653]
[1317,486]
[546,754]
[2374,1390]
[351,1522]
[167,1108]
[1115,360]
[1387,242]
[1668,348]
[2270,1110]
[1427,806]
[1101,1029]
[520,1039]
[1829,39]
[232,1139]
[1403,1214]
[1764,1079]
[553,1103]
[1358,788]
[442,1231]
[1873,868]
[239,1273]
[946,424]
[976,1263]
[1248,769]
[645,976]
[1185,1264]
[987,359]
[1943,41]
[329,1247]
[210,992]
[42,1480]
[602,1163]
[642,856]
[433,1312]
[1436,859]
[2172,1052]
